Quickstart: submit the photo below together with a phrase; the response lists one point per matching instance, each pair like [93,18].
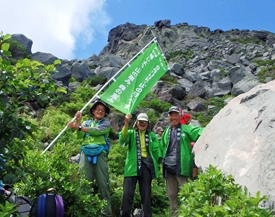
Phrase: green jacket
[96,132]
[188,134]
[131,164]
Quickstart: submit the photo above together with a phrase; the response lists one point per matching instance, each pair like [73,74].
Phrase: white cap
[142,117]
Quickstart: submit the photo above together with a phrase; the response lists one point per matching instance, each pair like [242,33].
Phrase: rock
[45,58]
[23,40]
[239,140]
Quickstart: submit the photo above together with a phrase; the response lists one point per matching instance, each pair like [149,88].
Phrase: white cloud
[54,26]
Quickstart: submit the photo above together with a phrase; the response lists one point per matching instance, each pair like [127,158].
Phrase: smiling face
[174,118]
[99,112]
[142,125]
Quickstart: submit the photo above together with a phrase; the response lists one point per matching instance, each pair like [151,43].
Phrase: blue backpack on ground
[48,205]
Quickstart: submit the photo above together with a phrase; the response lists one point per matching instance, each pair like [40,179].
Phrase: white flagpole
[96,95]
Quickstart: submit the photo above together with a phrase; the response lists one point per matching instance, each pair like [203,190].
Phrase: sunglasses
[143,122]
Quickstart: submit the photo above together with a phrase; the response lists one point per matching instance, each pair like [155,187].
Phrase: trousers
[129,186]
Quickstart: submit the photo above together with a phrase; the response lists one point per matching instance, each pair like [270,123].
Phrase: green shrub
[94,81]
[168,78]
[187,54]
[17,50]
[215,194]
[53,170]
[247,40]
[157,105]
[7,209]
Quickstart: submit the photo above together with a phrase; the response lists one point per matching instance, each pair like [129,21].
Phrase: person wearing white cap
[177,155]
[143,157]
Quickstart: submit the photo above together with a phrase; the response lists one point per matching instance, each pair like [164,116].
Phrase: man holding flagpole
[95,149]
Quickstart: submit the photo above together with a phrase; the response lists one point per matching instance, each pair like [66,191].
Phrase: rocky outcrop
[239,140]
[205,63]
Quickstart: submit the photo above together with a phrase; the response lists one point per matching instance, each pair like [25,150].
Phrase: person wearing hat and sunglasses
[95,149]
[177,155]
[143,158]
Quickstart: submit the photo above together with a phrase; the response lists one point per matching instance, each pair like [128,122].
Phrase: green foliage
[52,122]
[216,103]
[7,209]
[158,105]
[180,53]
[168,78]
[72,79]
[247,40]
[215,194]
[265,62]
[268,71]
[54,170]
[94,81]
[117,158]
[22,85]
[18,51]
[83,93]
[159,200]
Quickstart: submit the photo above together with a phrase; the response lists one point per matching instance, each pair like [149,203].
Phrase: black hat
[107,109]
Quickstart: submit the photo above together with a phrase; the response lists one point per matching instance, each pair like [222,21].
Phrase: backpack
[23,203]
[48,205]
[93,150]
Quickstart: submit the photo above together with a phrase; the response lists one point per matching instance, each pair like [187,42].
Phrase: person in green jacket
[95,148]
[177,155]
[142,163]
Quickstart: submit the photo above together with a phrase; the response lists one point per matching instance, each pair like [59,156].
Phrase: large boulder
[239,140]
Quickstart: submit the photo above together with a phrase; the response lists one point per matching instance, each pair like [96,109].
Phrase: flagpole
[160,50]
[96,95]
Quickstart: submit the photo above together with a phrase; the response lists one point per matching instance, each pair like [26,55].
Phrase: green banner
[132,85]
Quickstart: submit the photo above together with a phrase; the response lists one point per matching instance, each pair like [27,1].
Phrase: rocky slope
[215,62]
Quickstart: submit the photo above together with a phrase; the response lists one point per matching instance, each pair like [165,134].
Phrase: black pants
[129,186]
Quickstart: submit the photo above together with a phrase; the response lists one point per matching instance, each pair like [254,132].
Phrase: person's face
[159,132]
[142,125]
[174,118]
[99,112]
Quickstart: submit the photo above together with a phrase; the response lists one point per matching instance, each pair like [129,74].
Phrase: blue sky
[79,28]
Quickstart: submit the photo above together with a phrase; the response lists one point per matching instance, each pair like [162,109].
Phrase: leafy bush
[7,209]
[215,194]
[22,85]
[54,170]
